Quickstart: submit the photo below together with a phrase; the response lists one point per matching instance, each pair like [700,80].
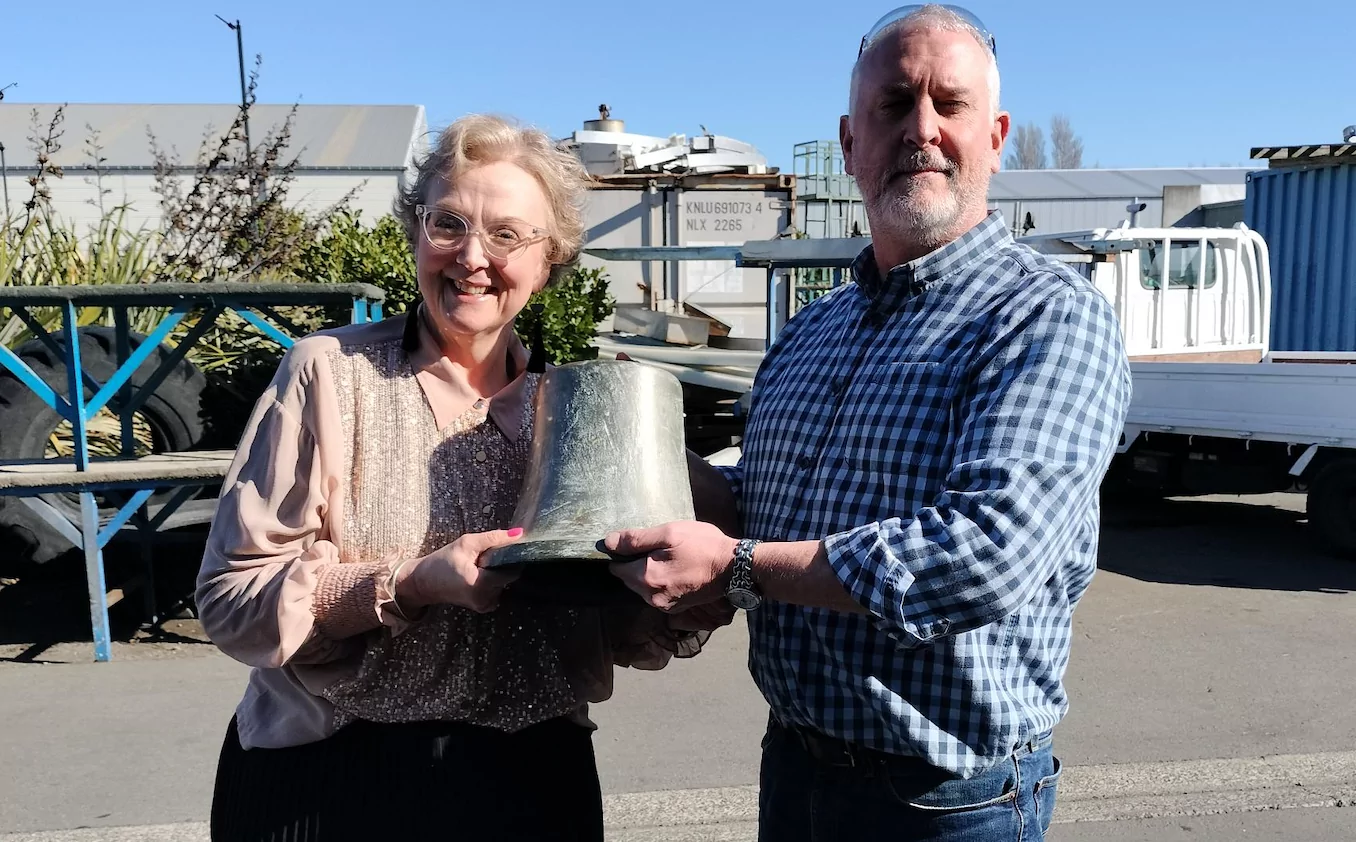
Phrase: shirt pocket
[897,418]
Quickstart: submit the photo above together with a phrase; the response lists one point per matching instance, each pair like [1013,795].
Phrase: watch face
[743,599]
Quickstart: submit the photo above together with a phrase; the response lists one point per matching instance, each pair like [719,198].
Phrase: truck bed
[1294,402]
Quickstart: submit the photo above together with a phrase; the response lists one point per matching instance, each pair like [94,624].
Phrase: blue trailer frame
[255,303]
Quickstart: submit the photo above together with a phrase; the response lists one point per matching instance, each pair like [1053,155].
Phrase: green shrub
[348,252]
[569,312]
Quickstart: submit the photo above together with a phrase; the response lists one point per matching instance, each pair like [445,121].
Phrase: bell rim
[548,551]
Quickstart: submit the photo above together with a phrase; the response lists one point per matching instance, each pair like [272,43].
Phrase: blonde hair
[479,139]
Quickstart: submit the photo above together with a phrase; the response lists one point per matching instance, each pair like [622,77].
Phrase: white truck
[1214,409]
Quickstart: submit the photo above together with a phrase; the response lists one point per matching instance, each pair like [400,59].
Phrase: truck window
[1184,268]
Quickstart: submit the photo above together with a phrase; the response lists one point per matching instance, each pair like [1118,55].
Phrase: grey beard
[928,224]
[925,223]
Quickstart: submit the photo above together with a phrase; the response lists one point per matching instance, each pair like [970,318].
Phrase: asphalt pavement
[1211,690]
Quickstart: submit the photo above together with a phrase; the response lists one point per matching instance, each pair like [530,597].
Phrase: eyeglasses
[904,11]
[448,231]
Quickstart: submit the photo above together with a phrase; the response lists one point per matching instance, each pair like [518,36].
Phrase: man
[918,485]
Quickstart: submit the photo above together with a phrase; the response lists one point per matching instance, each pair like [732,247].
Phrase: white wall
[74,197]
[1053,216]
[375,194]
[1181,203]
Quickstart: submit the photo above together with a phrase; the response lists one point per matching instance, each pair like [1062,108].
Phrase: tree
[1028,148]
[1068,147]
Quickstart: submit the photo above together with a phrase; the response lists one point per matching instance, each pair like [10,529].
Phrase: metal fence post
[89,511]
[771,306]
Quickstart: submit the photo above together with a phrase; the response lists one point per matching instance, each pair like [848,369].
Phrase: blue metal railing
[254,303]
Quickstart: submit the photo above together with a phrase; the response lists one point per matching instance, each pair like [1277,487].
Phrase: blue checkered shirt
[943,430]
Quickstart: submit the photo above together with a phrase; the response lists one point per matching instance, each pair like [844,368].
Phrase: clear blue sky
[1150,83]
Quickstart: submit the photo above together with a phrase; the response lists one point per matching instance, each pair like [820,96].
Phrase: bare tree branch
[1068,148]
[234,222]
[1028,148]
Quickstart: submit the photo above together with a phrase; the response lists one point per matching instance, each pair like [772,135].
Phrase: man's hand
[685,564]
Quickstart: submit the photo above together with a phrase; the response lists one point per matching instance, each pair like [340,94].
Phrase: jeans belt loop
[1032,745]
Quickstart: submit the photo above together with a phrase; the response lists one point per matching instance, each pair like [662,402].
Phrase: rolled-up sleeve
[1038,424]
[272,590]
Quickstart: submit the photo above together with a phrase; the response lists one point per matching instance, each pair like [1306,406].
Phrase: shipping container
[1307,215]
[636,210]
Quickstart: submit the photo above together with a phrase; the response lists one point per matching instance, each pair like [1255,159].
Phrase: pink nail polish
[515,532]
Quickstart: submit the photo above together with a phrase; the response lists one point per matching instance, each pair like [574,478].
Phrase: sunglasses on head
[904,11]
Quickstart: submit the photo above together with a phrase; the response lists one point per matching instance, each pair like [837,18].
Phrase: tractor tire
[1331,505]
[173,412]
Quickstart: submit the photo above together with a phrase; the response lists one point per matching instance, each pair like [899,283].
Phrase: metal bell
[607,453]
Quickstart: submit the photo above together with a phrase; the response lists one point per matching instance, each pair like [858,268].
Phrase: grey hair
[936,18]
[479,139]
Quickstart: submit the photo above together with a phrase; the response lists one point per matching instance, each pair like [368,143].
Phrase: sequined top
[358,455]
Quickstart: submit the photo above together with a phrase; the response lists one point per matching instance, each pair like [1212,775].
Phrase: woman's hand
[452,575]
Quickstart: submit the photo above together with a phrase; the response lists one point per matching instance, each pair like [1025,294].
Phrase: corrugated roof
[1106,184]
[346,136]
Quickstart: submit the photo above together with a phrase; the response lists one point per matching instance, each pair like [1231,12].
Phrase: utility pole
[4,168]
[4,179]
[240,57]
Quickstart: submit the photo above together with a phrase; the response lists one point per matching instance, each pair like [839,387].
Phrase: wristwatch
[742,592]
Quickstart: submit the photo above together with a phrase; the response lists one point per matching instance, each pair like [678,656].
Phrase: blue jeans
[812,794]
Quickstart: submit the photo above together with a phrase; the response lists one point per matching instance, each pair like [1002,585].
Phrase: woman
[391,692]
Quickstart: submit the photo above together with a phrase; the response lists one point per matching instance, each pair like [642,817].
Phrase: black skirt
[428,780]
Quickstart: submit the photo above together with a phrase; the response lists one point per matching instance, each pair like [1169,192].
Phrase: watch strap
[741,570]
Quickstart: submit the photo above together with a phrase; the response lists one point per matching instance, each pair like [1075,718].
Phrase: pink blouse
[358,455]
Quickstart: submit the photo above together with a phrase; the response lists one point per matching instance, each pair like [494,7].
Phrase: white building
[1051,201]
[1037,201]
[339,147]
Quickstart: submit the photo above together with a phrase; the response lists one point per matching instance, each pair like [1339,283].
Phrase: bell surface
[607,453]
